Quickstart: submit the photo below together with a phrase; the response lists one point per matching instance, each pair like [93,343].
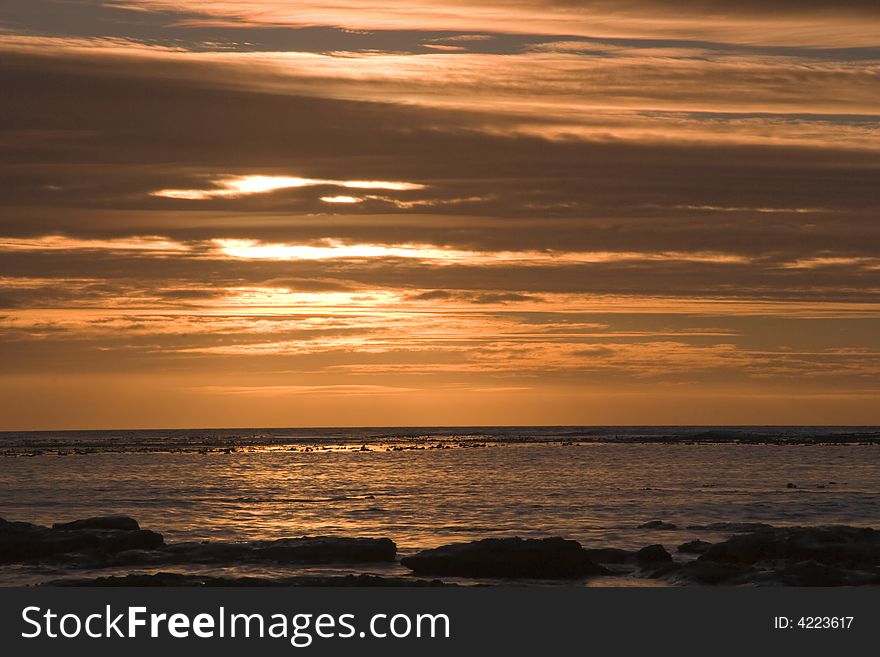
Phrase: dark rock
[711,572]
[694,547]
[327,549]
[609,555]
[206,552]
[790,485]
[21,541]
[548,558]
[311,550]
[661,569]
[813,573]
[657,524]
[837,545]
[141,539]
[121,523]
[10,526]
[652,555]
[188,580]
[94,541]
[17,540]
[734,527]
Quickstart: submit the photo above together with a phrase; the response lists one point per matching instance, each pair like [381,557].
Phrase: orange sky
[278,213]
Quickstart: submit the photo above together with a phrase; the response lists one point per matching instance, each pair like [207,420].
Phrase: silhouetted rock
[813,573]
[203,552]
[10,526]
[327,549]
[694,547]
[837,545]
[141,539]
[21,541]
[307,550]
[653,555]
[610,555]
[17,539]
[711,572]
[188,580]
[548,558]
[733,527]
[121,523]
[657,524]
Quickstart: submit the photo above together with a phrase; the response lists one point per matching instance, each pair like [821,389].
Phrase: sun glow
[147,243]
[235,186]
[335,249]
[329,249]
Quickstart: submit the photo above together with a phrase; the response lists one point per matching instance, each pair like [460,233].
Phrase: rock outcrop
[21,541]
[120,523]
[787,556]
[732,527]
[548,558]
[694,547]
[653,555]
[327,549]
[756,554]
[657,524]
[838,545]
[119,541]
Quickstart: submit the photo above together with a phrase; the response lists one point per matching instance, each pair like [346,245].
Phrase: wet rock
[733,527]
[694,547]
[21,542]
[548,558]
[189,580]
[10,526]
[653,555]
[94,541]
[307,550]
[657,524]
[610,555]
[327,549]
[711,572]
[121,523]
[141,539]
[205,552]
[814,573]
[838,545]
[17,540]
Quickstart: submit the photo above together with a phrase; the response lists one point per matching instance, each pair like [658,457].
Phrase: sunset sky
[414,212]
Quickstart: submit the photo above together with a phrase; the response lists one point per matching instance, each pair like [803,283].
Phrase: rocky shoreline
[753,554]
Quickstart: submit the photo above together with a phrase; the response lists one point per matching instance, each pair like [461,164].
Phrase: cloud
[790,23]
[237,186]
[255,208]
[724,99]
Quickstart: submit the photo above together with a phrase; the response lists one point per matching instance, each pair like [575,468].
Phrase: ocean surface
[424,487]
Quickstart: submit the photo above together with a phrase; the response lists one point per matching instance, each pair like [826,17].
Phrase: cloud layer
[543,212]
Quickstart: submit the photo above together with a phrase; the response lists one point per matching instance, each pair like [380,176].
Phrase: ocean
[424,487]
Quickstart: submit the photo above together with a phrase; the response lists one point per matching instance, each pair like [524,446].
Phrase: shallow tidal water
[597,493]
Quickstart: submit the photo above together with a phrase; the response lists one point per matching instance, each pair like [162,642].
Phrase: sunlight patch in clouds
[63,243]
[236,186]
[333,249]
[759,210]
[330,249]
[834,261]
